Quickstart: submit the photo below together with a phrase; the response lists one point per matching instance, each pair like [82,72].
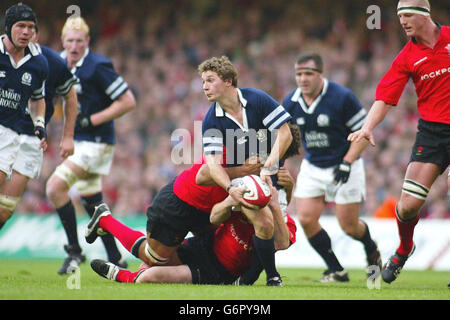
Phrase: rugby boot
[72,261]
[93,229]
[335,276]
[395,264]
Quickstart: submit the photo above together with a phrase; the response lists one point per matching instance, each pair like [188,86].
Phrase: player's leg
[263,242]
[57,188]
[10,194]
[90,189]
[419,178]
[309,211]
[352,225]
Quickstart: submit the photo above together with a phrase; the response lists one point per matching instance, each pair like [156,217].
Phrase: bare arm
[282,142]
[125,103]
[37,112]
[70,115]
[376,114]
[221,178]
[222,211]
[251,166]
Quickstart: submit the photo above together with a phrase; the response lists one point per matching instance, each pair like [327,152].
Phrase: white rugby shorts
[30,157]
[9,148]
[93,157]
[314,182]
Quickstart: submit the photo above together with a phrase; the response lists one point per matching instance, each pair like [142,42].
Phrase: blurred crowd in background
[157,45]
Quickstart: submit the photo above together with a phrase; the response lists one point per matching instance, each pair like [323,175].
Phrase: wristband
[39,121]
[229,187]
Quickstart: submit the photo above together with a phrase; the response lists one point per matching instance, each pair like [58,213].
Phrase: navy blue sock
[369,245]
[89,204]
[266,253]
[321,242]
[69,221]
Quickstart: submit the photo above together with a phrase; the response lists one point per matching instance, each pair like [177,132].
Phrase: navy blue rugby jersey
[326,123]
[59,82]
[262,115]
[99,86]
[20,82]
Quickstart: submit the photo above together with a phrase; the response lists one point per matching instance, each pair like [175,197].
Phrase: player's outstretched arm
[222,210]
[376,114]
[251,166]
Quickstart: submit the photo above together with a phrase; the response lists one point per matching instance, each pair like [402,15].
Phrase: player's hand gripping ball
[259,194]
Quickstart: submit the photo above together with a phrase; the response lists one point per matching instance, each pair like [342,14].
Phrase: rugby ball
[259,192]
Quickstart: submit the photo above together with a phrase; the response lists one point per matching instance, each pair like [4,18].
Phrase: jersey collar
[30,51]
[63,55]
[297,97]
[222,113]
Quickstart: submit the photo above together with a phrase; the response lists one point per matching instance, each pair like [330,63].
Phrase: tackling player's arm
[376,114]
[252,165]
[222,210]
[70,114]
[221,178]
[125,103]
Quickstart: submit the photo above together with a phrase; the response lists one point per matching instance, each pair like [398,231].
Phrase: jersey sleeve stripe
[358,125]
[212,140]
[119,91]
[39,93]
[273,115]
[113,86]
[213,150]
[65,88]
[357,117]
[280,121]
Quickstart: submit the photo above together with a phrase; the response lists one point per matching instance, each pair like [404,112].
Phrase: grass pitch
[38,280]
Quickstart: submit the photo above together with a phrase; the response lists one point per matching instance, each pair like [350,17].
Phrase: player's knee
[306,220]
[7,206]
[151,257]
[60,182]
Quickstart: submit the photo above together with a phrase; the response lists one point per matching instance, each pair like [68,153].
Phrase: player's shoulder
[249,93]
[334,87]
[52,56]
[37,58]
[97,58]
[292,96]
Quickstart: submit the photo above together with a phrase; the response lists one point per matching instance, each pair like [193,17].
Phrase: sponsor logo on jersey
[434,74]
[9,99]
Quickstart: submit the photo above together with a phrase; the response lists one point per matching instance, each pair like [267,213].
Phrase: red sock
[127,236]
[128,276]
[406,232]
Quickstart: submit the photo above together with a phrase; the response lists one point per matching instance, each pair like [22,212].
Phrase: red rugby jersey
[200,197]
[234,241]
[429,68]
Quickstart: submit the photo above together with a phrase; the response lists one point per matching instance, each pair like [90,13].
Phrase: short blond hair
[77,23]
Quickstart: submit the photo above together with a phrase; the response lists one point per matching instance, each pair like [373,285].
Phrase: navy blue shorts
[169,219]
[198,254]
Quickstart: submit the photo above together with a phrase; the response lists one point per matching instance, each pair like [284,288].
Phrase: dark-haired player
[332,170]
[28,164]
[23,72]
[425,59]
